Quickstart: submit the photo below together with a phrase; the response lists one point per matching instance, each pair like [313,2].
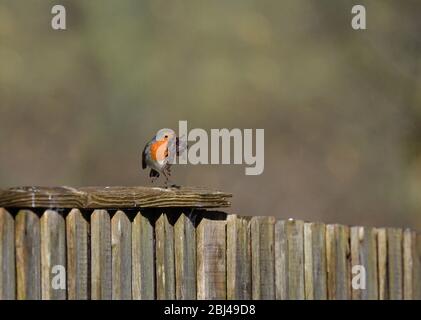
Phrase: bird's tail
[153,174]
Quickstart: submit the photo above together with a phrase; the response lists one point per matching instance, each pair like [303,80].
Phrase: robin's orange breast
[159,150]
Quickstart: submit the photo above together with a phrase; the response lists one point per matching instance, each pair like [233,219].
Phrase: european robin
[159,154]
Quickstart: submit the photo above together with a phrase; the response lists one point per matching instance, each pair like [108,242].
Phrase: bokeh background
[341,108]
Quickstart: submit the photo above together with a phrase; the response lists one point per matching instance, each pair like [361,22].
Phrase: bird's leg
[168,174]
[166,178]
[168,182]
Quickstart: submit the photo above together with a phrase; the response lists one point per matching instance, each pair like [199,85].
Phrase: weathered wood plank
[382,263]
[111,197]
[238,258]
[211,260]
[315,261]
[289,260]
[338,262]
[53,256]
[185,258]
[165,269]
[395,263]
[101,279]
[7,256]
[28,256]
[281,261]
[364,253]
[121,248]
[417,268]
[295,238]
[262,237]
[77,230]
[409,264]
[143,264]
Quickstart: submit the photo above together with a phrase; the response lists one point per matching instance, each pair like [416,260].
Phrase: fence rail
[191,253]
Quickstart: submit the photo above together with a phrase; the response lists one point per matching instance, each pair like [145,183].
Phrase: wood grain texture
[315,261]
[417,268]
[338,262]
[289,260]
[382,263]
[262,237]
[143,263]
[185,258]
[165,268]
[111,197]
[28,256]
[281,261]
[53,256]
[77,231]
[395,263]
[295,238]
[211,260]
[7,256]
[238,258]
[101,279]
[409,263]
[121,250]
[364,253]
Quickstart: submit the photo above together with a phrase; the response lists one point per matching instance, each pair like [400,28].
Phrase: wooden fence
[167,249]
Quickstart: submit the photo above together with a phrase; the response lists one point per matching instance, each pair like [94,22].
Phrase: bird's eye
[165,136]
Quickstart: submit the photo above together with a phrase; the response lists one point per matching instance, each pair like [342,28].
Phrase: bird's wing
[144,154]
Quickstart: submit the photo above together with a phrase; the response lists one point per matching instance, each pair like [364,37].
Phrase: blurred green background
[341,108]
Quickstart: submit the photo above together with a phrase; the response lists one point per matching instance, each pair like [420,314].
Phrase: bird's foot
[166,183]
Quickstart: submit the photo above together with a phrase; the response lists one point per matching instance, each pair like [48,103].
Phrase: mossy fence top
[158,243]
